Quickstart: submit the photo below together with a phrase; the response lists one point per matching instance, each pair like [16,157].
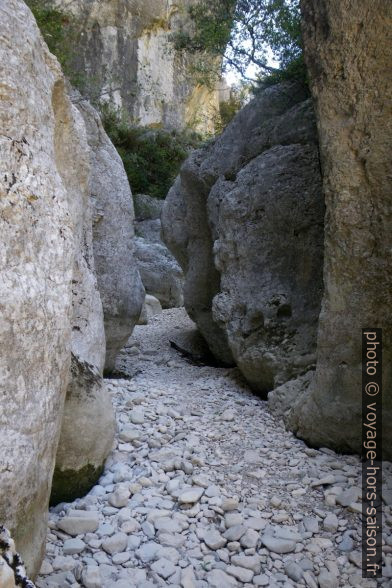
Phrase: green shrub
[60,34]
[152,157]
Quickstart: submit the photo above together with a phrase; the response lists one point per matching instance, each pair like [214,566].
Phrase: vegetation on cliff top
[246,34]
[152,157]
[60,33]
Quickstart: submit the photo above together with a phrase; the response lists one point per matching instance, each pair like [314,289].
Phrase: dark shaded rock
[245,221]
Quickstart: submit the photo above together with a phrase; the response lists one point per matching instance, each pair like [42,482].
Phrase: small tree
[245,33]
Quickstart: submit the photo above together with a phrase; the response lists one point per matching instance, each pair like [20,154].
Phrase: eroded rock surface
[161,275]
[87,407]
[348,52]
[119,282]
[125,55]
[245,221]
[37,257]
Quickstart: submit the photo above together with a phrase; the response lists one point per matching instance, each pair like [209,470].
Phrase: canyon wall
[125,56]
[37,260]
[245,221]
[56,183]
[348,49]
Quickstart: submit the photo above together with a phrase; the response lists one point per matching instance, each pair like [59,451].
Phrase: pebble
[206,489]
[73,546]
[331,523]
[294,571]
[136,416]
[115,544]
[240,573]
[164,568]
[190,496]
[278,545]
[214,540]
[327,580]
[91,577]
[85,522]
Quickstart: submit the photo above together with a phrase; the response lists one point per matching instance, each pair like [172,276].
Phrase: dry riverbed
[205,489]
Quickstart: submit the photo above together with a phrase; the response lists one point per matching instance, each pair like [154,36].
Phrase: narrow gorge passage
[205,488]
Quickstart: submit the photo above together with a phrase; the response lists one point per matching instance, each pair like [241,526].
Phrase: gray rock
[242,574]
[250,562]
[327,414]
[327,580]
[249,539]
[81,522]
[136,416]
[43,189]
[92,577]
[119,282]
[81,451]
[235,532]
[214,540]
[191,495]
[151,307]
[234,187]
[277,545]
[115,544]
[348,496]
[293,571]
[73,546]
[119,498]
[164,568]
[161,275]
[147,552]
[331,523]
[218,578]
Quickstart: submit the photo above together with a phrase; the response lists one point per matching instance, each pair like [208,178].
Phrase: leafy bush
[152,158]
[60,34]
[245,33]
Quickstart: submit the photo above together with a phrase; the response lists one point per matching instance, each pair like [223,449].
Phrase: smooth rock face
[87,434]
[161,275]
[37,257]
[255,300]
[124,49]
[351,83]
[119,282]
[81,451]
[151,308]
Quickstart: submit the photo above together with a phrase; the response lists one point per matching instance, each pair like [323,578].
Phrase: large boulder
[348,52]
[245,221]
[119,282]
[161,275]
[37,259]
[87,433]
[87,430]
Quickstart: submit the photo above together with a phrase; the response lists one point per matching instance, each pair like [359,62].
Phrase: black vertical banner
[371,453]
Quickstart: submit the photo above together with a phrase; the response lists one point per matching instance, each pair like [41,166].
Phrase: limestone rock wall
[37,259]
[125,56]
[245,221]
[161,275]
[118,278]
[348,48]
[81,451]
[57,178]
